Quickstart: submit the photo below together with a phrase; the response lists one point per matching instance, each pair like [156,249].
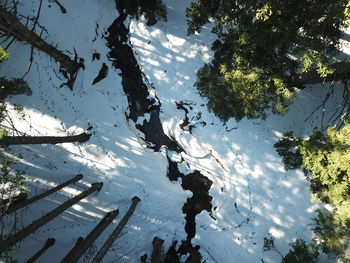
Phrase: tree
[8,207]
[80,248]
[265,49]
[326,159]
[116,232]
[15,140]
[301,253]
[326,162]
[152,10]
[13,179]
[12,26]
[288,149]
[332,235]
[20,235]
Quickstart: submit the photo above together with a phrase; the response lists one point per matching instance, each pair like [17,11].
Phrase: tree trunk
[79,249]
[157,252]
[49,243]
[109,242]
[342,72]
[18,205]
[13,239]
[10,24]
[15,140]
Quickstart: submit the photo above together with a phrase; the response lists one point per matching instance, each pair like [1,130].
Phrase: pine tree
[152,10]
[325,159]
[10,25]
[265,49]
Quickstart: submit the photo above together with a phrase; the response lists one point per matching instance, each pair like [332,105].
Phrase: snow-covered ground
[253,196]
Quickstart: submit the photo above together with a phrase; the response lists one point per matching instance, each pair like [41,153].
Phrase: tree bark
[79,249]
[18,205]
[342,72]
[10,24]
[20,235]
[109,242]
[157,252]
[15,140]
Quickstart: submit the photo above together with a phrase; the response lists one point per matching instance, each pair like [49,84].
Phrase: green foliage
[3,54]
[152,10]
[288,149]
[327,157]
[261,46]
[11,180]
[301,253]
[332,236]
[13,87]
[326,162]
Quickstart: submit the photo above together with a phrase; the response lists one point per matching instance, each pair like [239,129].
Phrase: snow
[253,196]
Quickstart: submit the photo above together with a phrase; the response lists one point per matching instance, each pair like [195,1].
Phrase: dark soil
[140,103]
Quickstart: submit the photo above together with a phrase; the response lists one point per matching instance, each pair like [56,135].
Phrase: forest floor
[218,185]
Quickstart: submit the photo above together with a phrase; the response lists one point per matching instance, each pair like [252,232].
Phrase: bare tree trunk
[342,72]
[79,249]
[13,239]
[49,243]
[15,140]
[157,252]
[10,24]
[109,242]
[18,205]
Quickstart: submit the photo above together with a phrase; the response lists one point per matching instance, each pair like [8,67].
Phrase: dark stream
[140,102]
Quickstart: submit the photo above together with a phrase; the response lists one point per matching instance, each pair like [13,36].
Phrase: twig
[33,20]
[10,122]
[37,16]
[329,93]
[11,128]
[337,119]
[30,62]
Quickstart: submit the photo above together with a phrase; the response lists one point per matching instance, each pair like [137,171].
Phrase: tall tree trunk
[13,239]
[109,242]
[79,249]
[157,253]
[49,243]
[10,24]
[14,140]
[18,205]
[342,72]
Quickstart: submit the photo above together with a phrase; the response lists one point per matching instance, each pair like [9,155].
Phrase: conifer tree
[265,49]
[152,10]
[325,159]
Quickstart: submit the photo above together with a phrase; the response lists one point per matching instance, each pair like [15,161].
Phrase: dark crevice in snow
[199,185]
[142,103]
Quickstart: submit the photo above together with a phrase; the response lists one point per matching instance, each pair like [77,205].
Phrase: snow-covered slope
[253,197]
